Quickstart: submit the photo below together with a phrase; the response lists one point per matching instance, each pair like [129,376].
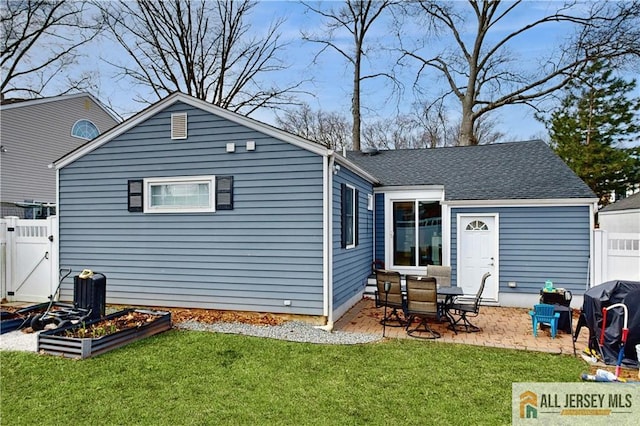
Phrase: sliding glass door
[417,233]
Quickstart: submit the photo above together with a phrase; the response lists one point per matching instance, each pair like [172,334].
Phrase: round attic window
[84,129]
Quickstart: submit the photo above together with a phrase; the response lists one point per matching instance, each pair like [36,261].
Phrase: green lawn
[187,377]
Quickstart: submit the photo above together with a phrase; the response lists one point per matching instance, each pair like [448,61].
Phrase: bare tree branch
[489,77]
[356,18]
[202,48]
[39,40]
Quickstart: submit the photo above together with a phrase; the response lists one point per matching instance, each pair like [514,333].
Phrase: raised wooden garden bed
[102,335]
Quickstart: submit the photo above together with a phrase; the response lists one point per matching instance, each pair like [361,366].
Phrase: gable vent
[179,126]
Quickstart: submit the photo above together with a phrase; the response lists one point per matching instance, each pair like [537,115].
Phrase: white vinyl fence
[28,258]
[616,256]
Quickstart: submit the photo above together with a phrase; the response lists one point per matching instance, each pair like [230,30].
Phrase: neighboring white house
[621,216]
[618,241]
[37,132]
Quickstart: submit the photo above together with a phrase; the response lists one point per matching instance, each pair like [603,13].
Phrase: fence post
[3,258]
[10,257]
[52,226]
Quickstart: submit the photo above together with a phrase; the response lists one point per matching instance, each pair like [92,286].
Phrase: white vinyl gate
[28,258]
[617,256]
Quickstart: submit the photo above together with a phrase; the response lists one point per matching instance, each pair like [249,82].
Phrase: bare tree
[357,18]
[480,70]
[39,42]
[202,48]
[330,129]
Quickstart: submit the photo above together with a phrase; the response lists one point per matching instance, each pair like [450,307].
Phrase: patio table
[449,293]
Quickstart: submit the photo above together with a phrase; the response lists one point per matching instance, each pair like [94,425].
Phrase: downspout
[593,207]
[56,240]
[327,232]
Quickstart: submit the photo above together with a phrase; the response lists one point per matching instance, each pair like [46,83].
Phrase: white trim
[196,103]
[327,232]
[354,206]
[446,235]
[432,193]
[174,131]
[356,169]
[416,188]
[211,180]
[495,275]
[618,212]
[521,203]
[590,282]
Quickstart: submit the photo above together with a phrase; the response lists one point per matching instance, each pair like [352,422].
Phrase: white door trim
[495,274]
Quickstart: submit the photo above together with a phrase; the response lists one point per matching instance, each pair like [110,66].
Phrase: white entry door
[478,254]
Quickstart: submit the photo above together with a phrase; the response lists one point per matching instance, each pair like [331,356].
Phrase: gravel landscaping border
[294,331]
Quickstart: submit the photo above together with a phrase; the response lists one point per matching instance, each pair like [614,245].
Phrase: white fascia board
[522,203]
[197,103]
[415,188]
[619,212]
[356,169]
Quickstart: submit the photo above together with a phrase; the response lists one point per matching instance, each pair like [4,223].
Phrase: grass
[187,377]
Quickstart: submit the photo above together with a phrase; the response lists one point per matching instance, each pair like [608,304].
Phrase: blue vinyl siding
[537,244]
[266,250]
[351,267]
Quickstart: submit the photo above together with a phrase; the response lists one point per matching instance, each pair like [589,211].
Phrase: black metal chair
[392,298]
[459,312]
[422,303]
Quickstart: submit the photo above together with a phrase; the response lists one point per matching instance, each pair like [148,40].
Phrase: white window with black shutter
[349,216]
[188,194]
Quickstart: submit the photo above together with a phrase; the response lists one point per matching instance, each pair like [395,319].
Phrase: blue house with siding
[513,209]
[190,205]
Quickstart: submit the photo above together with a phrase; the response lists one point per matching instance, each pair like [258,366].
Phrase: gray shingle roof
[632,202]
[505,171]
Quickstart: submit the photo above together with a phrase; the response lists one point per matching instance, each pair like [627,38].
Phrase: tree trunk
[467,136]
[355,102]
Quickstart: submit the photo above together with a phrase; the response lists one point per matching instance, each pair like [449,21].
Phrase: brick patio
[501,328]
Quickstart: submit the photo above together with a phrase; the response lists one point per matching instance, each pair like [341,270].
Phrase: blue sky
[331,86]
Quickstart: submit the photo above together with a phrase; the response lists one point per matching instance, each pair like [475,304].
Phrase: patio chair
[442,274]
[392,299]
[544,314]
[459,312]
[422,303]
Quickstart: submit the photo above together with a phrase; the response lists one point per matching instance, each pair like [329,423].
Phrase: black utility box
[91,293]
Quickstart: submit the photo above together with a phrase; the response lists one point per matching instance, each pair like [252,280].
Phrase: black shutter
[343,215]
[135,195]
[356,215]
[224,192]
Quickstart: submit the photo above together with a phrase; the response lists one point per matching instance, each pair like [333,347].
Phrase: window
[179,195]
[84,129]
[349,222]
[477,225]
